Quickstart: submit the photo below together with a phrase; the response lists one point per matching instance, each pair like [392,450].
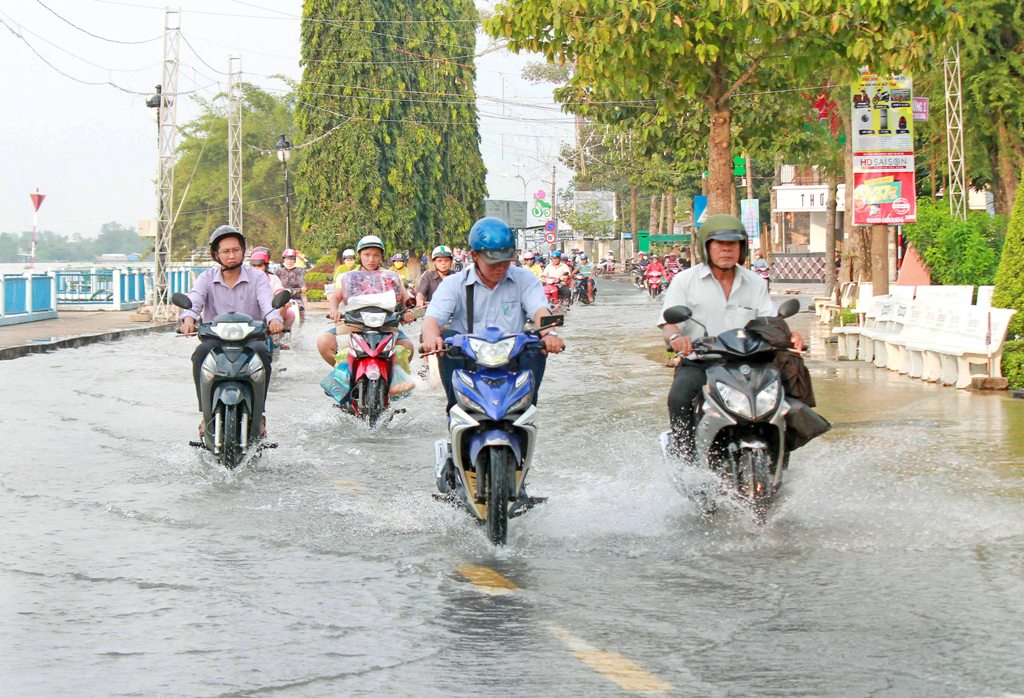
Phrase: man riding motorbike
[504,296]
[722,295]
[442,258]
[562,272]
[293,278]
[229,287]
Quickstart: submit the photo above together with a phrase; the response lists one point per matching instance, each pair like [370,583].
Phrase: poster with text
[884,198]
[883,115]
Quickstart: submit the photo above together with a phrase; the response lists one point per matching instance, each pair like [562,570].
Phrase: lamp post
[284,151]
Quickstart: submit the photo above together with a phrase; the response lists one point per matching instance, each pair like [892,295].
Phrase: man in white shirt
[558,269]
[723,295]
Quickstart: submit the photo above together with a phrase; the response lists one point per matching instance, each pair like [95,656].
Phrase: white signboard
[604,200]
[807,198]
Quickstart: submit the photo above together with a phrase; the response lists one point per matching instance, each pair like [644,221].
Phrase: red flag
[37,198]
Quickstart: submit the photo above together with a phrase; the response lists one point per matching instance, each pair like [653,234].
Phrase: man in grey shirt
[723,295]
[504,296]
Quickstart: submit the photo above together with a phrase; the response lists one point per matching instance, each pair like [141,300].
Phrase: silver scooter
[741,413]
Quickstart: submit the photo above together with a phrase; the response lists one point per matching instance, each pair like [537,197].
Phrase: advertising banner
[884,198]
[883,150]
[700,209]
[750,214]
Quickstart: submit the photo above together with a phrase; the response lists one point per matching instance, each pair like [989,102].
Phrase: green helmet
[725,228]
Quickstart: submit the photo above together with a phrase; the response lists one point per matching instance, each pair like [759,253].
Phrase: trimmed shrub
[317,276]
[315,294]
[957,252]
[1009,292]
[1013,363]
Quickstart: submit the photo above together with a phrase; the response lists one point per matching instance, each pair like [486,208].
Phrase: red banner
[884,198]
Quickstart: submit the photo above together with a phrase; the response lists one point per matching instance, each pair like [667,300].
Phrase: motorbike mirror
[789,308]
[552,321]
[281,299]
[182,301]
[677,314]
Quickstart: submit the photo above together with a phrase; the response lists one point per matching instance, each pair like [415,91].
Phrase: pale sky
[91,148]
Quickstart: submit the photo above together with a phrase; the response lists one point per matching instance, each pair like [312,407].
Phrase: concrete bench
[976,339]
[849,336]
[826,307]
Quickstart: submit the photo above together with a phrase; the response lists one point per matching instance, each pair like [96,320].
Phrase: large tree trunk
[721,185]
[830,235]
[1008,156]
[632,212]
[652,227]
[670,221]
[580,146]
[880,259]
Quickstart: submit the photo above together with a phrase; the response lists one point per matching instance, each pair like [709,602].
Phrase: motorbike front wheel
[756,469]
[374,400]
[501,474]
[231,450]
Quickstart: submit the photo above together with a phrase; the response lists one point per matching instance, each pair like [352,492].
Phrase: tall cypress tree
[395,80]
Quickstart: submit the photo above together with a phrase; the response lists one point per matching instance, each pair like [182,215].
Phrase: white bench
[849,335]
[976,339]
[903,352]
[945,295]
[826,307]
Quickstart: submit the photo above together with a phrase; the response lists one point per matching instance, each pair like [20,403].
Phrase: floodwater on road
[892,565]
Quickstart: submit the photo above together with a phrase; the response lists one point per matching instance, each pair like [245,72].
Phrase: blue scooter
[485,463]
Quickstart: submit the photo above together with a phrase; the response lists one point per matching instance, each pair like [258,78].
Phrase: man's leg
[198,356]
[534,361]
[686,386]
[327,345]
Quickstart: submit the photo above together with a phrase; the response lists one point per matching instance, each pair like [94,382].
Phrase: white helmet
[348,253]
[368,241]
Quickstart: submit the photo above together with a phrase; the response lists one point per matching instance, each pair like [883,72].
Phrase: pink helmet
[289,252]
[259,255]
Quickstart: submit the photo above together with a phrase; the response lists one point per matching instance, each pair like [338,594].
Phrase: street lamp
[284,151]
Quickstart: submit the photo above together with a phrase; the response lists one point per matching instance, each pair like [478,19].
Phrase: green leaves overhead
[394,80]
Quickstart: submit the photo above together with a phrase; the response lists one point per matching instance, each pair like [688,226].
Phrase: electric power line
[86,31]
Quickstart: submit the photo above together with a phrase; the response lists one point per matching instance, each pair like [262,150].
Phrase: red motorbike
[655,282]
[557,302]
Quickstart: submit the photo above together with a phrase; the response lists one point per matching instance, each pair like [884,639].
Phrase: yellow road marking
[489,581]
[351,485]
[628,675]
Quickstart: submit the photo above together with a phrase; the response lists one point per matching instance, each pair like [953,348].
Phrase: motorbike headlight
[209,367]
[492,355]
[767,399]
[467,403]
[232,331]
[734,400]
[255,368]
[373,319]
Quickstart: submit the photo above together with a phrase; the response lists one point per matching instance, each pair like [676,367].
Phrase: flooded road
[892,565]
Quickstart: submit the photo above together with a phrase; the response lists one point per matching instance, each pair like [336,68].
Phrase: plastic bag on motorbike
[803,424]
[401,379]
[339,381]
[796,379]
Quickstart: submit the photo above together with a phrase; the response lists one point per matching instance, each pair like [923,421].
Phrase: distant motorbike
[638,278]
[558,301]
[232,382]
[765,273]
[492,434]
[584,288]
[654,282]
[741,418]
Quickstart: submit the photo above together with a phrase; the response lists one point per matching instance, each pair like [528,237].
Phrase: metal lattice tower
[167,117]
[956,191]
[235,142]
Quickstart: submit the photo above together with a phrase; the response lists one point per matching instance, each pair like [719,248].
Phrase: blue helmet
[493,240]
[556,255]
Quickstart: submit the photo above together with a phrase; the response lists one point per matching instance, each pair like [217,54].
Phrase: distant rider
[561,272]
[442,259]
[398,266]
[293,278]
[723,295]
[229,287]
[367,278]
[531,263]
[259,260]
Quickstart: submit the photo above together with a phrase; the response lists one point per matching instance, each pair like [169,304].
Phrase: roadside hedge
[1009,291]
[957,252]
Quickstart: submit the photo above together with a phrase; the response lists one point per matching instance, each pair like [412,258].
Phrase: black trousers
[207,345]
[682,398]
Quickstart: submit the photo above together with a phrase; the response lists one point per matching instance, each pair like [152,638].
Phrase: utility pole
[167,118]
[37,201]
[235,143]
[554,203]
[956,192]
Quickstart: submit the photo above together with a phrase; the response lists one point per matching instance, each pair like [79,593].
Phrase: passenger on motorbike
[442,258]
[723,295]
[531,262]
[558,269]
[371,253]
[259,260]
[293,278]
[229,287]
[504,296]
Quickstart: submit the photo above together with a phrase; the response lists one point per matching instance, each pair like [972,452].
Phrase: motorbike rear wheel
[501,475]
[758,490]
[231,451]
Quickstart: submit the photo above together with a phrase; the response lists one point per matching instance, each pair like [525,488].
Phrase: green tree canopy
[390,87]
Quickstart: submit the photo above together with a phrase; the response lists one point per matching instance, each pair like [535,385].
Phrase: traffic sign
[549,226]
[550,237]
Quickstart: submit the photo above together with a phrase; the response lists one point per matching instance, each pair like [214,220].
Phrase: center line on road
[627,674]
[351,485]
[489,581]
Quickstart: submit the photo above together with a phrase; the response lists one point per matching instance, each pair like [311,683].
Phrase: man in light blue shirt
[504,296]
[722,295]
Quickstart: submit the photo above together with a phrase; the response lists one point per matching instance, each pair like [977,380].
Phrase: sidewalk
[71,329]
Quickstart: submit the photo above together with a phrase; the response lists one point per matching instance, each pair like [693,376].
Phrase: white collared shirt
[507,306]
[700,291]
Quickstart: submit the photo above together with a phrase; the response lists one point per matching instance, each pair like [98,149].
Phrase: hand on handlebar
[682,345]
[275,327]
[334,315]
[432,347]
[188,326]
[553,344]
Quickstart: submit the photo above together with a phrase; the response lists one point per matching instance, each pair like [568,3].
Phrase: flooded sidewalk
[73,329]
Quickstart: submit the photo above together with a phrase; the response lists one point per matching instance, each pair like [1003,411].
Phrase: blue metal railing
[15,295]
[42,297]
[86,287]
[27,297]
